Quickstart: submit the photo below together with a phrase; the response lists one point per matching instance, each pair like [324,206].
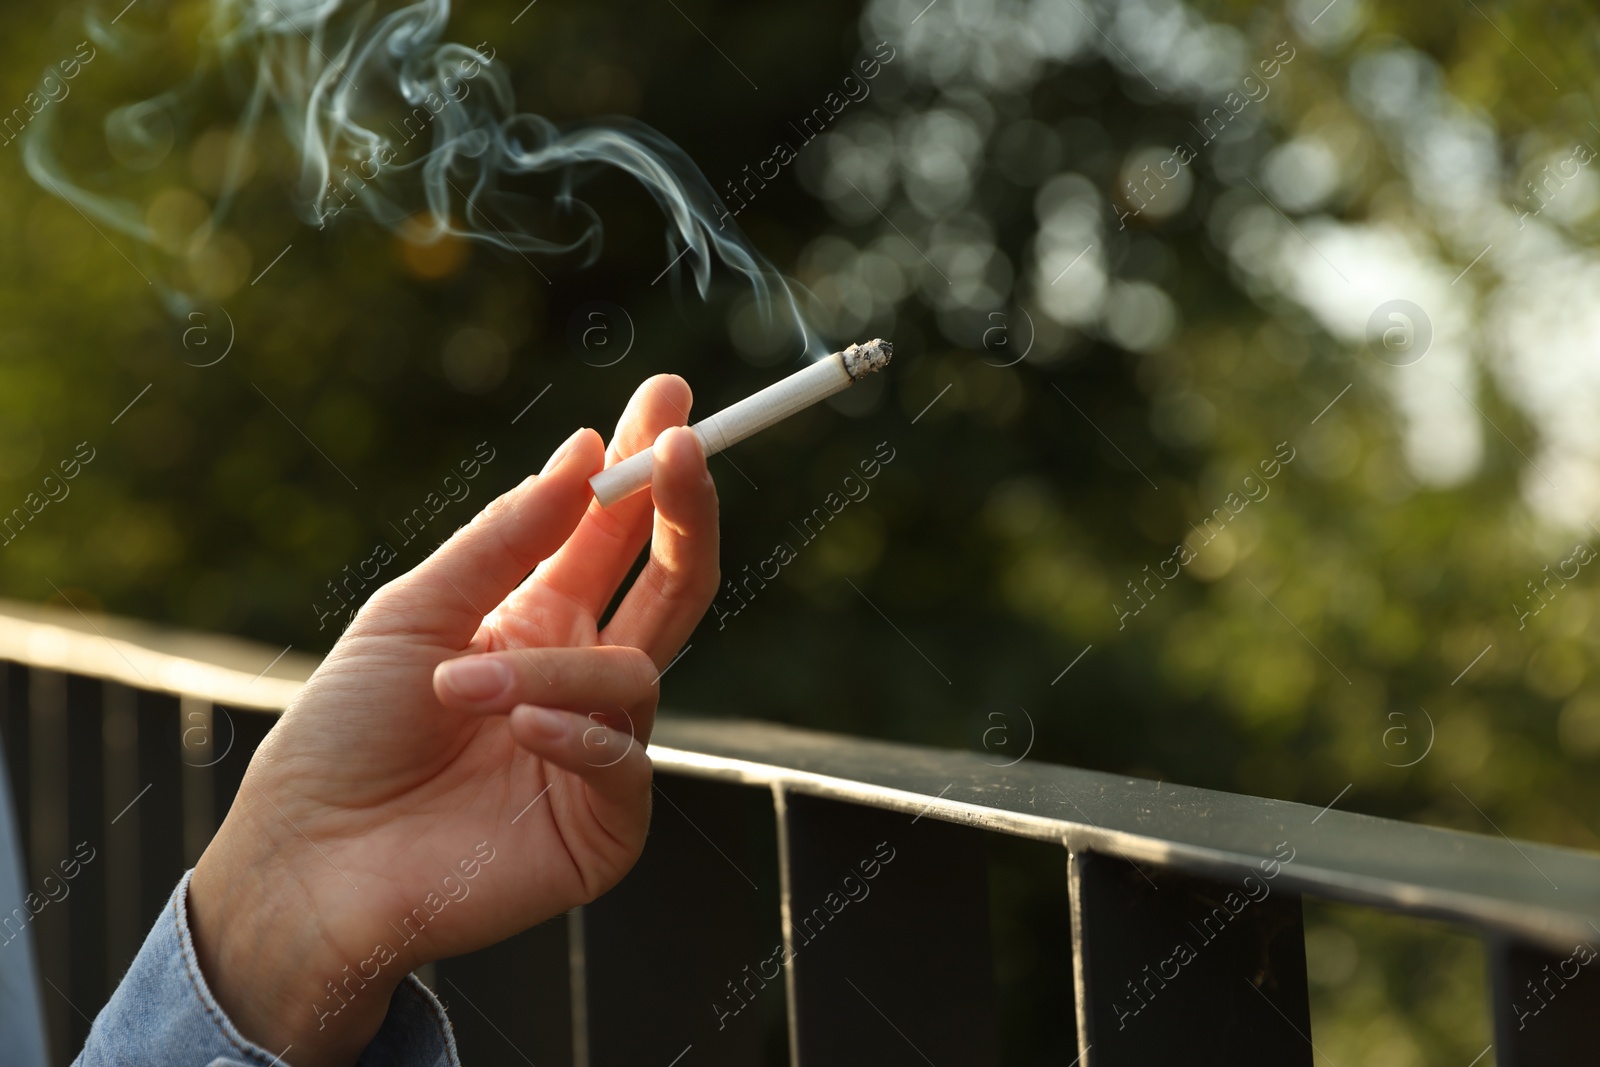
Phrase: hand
[469,760]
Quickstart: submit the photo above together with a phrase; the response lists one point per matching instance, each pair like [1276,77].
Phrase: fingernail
[563,452]
[477,679]
[549,724]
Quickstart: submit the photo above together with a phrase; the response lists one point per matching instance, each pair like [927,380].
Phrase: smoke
[388,120]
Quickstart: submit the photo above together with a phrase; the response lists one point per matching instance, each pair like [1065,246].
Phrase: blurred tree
[1240,420]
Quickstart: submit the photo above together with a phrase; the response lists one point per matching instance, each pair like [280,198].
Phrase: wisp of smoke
[332,71]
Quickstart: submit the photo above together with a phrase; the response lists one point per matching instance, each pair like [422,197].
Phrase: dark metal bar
[670,956]
[1168,964]
[237,733]
[887,930]
[1546,1004]
[48,845]
[14,733]
[80,869]
[125,928]
[578,988]
[791,1004]
[159,808]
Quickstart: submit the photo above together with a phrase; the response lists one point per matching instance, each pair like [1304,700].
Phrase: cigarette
[753,414]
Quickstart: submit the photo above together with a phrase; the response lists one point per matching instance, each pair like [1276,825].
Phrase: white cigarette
[753,414]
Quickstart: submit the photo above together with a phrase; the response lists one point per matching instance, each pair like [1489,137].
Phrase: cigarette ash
[864,359]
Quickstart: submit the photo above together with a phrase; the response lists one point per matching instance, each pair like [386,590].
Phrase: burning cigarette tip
[861,360]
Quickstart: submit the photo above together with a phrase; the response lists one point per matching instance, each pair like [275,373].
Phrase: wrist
[265,951]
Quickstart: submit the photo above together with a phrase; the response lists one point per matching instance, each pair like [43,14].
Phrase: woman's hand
[469,760]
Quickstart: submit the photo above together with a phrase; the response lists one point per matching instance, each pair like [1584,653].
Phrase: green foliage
[1392,991]
[1335,630]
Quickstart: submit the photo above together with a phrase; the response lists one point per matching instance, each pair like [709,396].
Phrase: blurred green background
[1088,363]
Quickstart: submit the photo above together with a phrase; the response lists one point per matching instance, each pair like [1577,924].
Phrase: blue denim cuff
[163,1014]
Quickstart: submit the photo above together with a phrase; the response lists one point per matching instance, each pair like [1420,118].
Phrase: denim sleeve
[163,1015]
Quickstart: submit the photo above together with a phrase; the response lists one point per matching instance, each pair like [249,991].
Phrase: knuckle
[682,585]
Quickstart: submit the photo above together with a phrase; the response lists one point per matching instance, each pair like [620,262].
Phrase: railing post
[887,934]
[1168,965]
[126,923]
[15,716]
[159,809]
[578,988]
[48,840]
[81,867]
[1546,1004]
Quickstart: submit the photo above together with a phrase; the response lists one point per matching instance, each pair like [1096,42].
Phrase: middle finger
[590,567]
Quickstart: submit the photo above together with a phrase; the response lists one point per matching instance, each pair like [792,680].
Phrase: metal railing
[804,898]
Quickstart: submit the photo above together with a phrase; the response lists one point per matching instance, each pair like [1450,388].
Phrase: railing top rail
[1540,892]
[222,670]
